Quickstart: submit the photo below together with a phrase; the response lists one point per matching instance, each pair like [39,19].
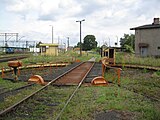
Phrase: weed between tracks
[6,85]
[89,102]
[100,99]
[65,57]
[12,99]
[44,105]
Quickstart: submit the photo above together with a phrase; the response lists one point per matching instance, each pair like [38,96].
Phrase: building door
[143,51]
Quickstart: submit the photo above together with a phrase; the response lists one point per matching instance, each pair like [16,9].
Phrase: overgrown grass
[87,56]
[8,85]
[63,57]
[121,57]
[70,56]
[90,101]
[146,83]
[12,99]
[44,105]
[126,58]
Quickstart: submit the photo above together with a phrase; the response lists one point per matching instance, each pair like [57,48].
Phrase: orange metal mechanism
[105,64]
[14,63]
[99,81]
[3,72]
[37,79]
[78,60]
[18,71]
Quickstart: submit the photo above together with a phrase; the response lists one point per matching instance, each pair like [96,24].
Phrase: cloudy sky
[106,19]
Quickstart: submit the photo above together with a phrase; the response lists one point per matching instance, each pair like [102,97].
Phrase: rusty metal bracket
[106,65]
[15,65]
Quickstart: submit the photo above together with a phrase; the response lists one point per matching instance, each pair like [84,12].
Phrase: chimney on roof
[156,21]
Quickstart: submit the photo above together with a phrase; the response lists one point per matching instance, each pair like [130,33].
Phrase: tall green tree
[78,45]
[89,42]
[128,40]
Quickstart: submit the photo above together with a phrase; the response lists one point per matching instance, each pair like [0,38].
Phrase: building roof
[49,44]
[149,26]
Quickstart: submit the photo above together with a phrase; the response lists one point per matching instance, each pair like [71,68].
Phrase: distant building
[49,49]
[147,39]
[70,48]
[34,50]
[77,50]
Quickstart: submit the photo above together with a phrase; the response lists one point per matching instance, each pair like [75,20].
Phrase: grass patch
[8,85]
[90,101]
[44,105]
[62,57]
[10,100]
[127,58]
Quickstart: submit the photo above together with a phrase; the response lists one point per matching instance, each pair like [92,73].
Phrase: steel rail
[13,90]
[136,66]
[155,98]
[32,94]
[5,59]
[52,81]
[74,92]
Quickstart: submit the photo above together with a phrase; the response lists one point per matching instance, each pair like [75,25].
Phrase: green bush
[129,48]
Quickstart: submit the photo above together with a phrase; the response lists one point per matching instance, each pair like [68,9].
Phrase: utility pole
[109,42]
[26,44]
[52,34]
[6,35]
[117,40]
[68,41]
[80,21]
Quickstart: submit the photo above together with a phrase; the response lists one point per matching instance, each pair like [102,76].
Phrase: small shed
[49,49]
[110,54]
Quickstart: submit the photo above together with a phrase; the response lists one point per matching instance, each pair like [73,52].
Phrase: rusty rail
[80,83]
[5,59]
[51,82]
[14,90]
[138,66]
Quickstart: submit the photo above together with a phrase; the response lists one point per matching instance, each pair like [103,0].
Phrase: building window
[43,48]
[158,47]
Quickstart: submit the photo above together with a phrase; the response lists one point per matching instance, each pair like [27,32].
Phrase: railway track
[73,76]
[137,66]
[95,72]
[130,87]
[14,91]
[67,78]
[9,58]
[152,98]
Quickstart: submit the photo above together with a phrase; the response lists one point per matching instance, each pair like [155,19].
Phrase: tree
[38,44]
[89,42]
[128,40]
[78,44]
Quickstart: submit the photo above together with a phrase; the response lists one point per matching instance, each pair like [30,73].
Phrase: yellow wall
[51,50]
